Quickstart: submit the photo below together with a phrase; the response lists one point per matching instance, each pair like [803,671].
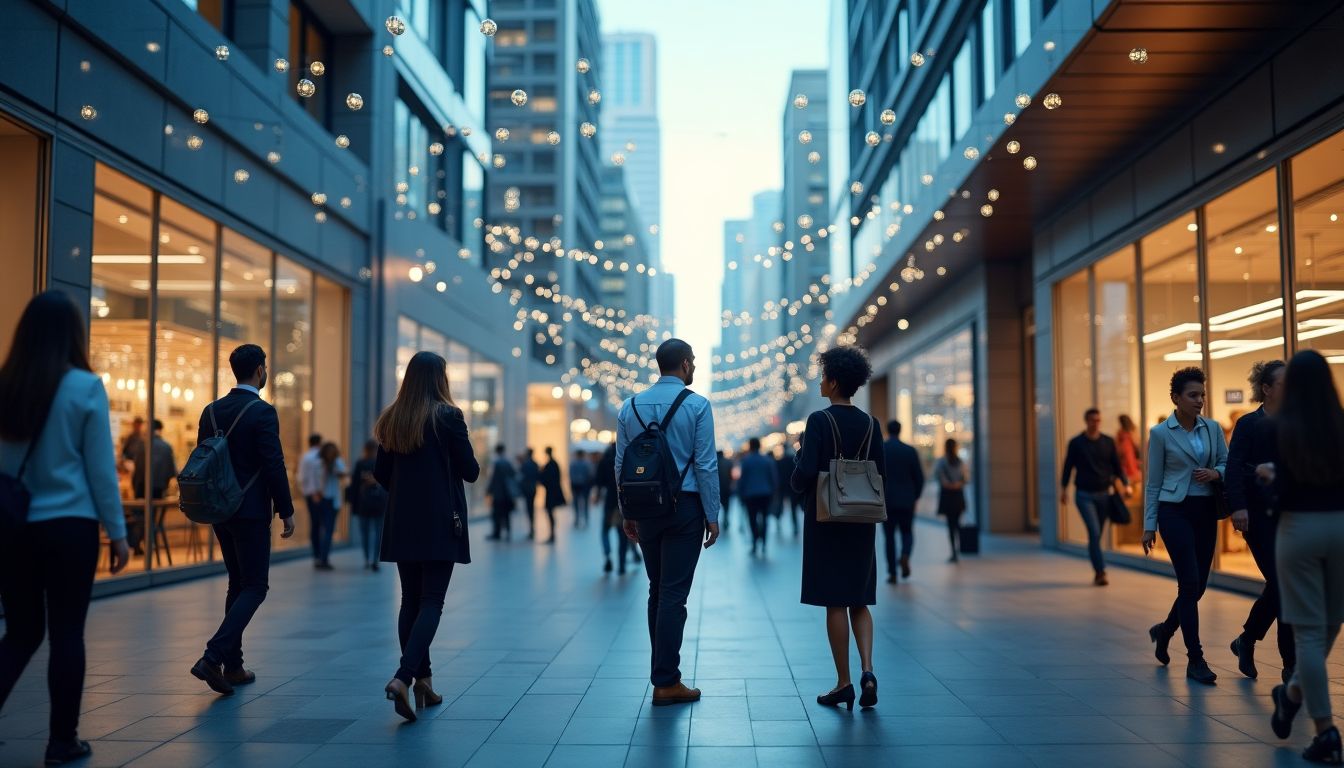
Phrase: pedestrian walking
[1251,516]
[581,486]
[611,511]
[58,481]
[252,429]
[676,513]
[368,503]
[503,492]
[725,488]
[311,484]
[1306,469]
[553,484]
[1096,460]
[757,486]
[952,475]
[529,476]
[424,457]
[1186,459]
[905,484]
[840,558]
[789,502]
[333,472]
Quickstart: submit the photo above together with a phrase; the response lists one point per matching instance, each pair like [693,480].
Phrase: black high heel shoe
[836,698]
[869,685]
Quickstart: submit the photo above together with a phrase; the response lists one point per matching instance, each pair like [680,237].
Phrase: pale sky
[723,70]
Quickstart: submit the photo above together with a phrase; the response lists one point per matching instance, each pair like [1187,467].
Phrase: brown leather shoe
[675,694]
[239,676]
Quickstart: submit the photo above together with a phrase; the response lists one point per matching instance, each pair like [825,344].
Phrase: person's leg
[411,576]
[331,512]
[861,620]
[69,548]
[1265,610]
[889,542]
[1089,509]
[550,519]
[905,520]
[837,633]
[765,526]
[1178,534]
[251,543]
[1311,680]
[24,600]
[651,534]
[954,533]
[605,535]
[315,527]
[681,546]
[752,523]
[428,608]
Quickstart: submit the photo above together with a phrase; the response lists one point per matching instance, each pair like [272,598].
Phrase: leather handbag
[851,490]
[1117,511]
[15,498]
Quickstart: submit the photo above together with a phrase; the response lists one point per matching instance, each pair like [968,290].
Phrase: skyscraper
[630,121]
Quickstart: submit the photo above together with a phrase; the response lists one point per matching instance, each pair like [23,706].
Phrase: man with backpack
[260,488]
[668,478]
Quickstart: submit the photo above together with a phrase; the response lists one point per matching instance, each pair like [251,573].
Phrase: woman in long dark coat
[555,490]
[424,455]
[840,559]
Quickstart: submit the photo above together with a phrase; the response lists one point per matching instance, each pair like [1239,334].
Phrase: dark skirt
[951,503]
[839,561]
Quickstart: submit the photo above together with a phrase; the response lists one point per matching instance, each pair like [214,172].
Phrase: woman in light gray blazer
[1187,455]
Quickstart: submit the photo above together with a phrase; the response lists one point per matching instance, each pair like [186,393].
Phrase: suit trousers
[423,587]
[1260,537]
[898,519]
[46,578]
[758,516]
[322,527]
[672,548]
[246,547]
[1190,531]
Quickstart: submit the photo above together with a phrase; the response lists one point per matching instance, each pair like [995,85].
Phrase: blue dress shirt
[691,433]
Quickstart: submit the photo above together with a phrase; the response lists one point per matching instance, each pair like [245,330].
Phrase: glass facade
[1212,289]
[173,293]
[935,400]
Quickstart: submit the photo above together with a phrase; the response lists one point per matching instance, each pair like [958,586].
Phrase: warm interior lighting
[144,258]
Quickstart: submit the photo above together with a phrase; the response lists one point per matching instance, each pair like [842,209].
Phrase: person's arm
[460,452]
[100,463]
[622,438]
[706,463]
[1152,482]
[1069,461]
[1118,477]
[808,464]
[273,462]
[916,472]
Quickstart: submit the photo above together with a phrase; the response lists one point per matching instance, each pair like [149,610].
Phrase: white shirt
[310,472]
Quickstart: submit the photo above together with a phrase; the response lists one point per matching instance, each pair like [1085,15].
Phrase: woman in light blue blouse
[56,441]
[1187,455]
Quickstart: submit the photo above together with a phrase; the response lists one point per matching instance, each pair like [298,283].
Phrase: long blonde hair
[424,392]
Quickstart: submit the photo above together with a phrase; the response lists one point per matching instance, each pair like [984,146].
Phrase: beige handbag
[852,491]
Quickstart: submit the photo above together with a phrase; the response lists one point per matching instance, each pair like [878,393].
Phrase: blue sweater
[73,469]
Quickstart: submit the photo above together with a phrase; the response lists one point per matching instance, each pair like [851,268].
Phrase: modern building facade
[630,121]
[164,168]
[1071,202]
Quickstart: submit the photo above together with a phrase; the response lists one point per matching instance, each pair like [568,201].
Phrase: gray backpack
[207,485]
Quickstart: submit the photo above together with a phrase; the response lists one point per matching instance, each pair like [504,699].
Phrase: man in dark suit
[905,482]
[529,476]
[253,432]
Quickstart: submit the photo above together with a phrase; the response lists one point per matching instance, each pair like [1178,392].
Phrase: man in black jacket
[253,432]
[1097,462]
[529,476]
[905,482]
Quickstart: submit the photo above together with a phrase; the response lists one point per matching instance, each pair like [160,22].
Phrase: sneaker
[1325,748]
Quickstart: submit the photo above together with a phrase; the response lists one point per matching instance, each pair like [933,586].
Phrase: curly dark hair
[1183,378]
[848,367]
[1262,375]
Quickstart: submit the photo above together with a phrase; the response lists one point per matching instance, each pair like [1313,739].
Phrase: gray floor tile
[598,730]
[655,757]
[587,756]
[520,755]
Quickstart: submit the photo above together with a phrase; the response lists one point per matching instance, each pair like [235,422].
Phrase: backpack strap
[672,411]
[214,425]
[237,418]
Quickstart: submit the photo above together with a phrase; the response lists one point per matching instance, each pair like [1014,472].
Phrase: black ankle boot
[1325,748]
[62,752]
[1244,650]
[1158,634]
[1198,670]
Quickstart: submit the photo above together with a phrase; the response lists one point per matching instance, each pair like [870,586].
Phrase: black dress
[839,559]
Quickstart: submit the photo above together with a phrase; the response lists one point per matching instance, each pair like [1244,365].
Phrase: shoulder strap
[672,411]
[236,419]
[835,434]
[867,441]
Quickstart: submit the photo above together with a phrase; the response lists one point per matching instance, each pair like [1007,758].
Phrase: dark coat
[554,485]
[1247,450]
[254,448]
[528,474]
[425,488]
[904,476]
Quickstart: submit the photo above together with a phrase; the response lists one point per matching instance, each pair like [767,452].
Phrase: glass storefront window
[1074,354]
[244,303]
[935,400]
[291,373]
[1171,324]
[1318,239]
[1116,362]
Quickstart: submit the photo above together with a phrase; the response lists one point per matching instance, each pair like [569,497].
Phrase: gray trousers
[1310,553]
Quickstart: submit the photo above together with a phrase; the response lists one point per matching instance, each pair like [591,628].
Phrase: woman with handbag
[952,475]
[1187,456]
[58,480]
[424,456]
[840,558]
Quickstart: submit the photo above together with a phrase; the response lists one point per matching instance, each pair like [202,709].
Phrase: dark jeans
[246,548]
[500,513]
[612,521]
[725,501]
[46,576]
[530,507]
[322,516]
[671,550]
[423,586]
[902,519]
[954,533]
[1265,611]
[581,504]
[1092,506]
[1190,531]
[371,536]
[758,516]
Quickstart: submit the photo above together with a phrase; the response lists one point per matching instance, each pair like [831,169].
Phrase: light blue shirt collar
[249,388]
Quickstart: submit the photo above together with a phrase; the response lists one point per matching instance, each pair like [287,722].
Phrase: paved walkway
[1009,659]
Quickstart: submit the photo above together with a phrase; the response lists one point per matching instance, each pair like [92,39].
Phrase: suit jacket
[904,474]
[254,448]
[1247,450]
[425,487]
[759,477]
[1172,460]
[528,475]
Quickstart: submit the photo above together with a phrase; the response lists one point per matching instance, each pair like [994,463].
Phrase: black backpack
[650,483]
[207,485]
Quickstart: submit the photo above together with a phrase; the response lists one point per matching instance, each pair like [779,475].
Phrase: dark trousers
[725,501]
[371,536]
[581,504]
[611,520]
[501,510]
[671,550]
[1092,506]
[46,577]
[423,586]
[322,527]
[1190,530]
[550,518]
[246,548]
[954,533]
[530,507]
[902,519]
[758,516]
[1265,611]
